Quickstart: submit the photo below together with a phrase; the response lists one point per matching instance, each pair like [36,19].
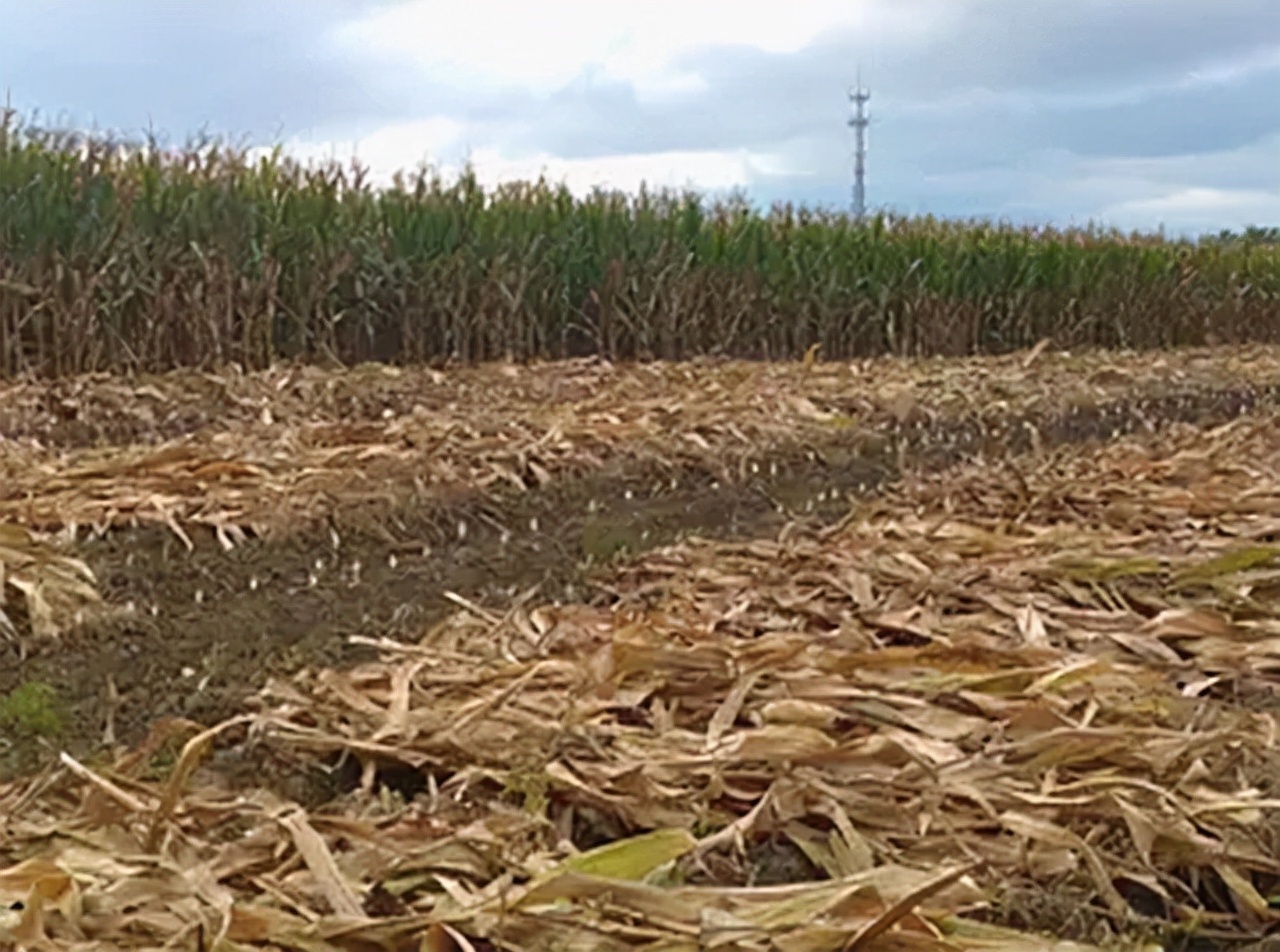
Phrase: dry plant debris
[1057,671]
[269,450]
[55,591]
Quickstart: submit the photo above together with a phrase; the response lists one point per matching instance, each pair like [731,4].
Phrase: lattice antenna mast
[858,98]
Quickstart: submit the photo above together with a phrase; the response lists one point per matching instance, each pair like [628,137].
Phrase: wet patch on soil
[208,626]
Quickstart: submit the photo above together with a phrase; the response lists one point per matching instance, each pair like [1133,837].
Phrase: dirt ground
[208,626]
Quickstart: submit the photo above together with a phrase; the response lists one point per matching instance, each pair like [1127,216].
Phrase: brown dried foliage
[1056,670]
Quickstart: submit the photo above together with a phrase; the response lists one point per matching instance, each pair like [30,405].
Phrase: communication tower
[858,98]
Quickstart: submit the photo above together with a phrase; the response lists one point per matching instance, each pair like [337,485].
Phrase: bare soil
[209,626]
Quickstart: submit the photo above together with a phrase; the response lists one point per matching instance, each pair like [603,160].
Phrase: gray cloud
[1087,44]
[236,66]
[1027,108]
[948,99]
[971,120]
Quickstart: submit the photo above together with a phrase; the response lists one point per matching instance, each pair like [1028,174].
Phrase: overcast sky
[1132,113]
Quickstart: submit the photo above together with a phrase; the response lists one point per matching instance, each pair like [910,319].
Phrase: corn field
[119,257]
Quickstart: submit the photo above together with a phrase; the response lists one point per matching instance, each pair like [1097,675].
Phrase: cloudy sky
[1134,113]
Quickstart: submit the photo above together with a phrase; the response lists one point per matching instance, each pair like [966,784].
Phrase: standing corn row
[116,257]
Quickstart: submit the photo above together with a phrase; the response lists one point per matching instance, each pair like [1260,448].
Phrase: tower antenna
[858,98]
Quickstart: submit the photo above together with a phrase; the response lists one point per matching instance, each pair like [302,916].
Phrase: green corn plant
[136,256]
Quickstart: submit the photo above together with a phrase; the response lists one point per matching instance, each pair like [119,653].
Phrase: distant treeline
[126,257]
[1254,234]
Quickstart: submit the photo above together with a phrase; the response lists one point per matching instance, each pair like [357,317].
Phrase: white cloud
[1225,73]
[492,47]
[1194,209]
[496,46]
[708,171]
[982,107]
[1229,163]
[541,47]
[1182,193]
[1026,103]
[395,147]
[441,144]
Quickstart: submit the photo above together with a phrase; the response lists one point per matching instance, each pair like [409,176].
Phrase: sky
[1135,114]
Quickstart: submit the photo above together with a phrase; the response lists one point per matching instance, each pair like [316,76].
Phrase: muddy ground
[209,626]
